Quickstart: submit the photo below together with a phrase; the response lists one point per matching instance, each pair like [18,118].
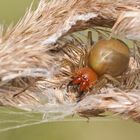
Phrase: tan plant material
[36,63]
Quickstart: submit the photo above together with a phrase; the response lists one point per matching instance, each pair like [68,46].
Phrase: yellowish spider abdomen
[109,57]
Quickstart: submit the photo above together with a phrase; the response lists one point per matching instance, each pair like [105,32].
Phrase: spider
[84,77]
[106,59]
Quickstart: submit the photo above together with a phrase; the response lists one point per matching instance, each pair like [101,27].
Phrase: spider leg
[83,87]
[81,61]
[112,79]
[90,41]
[73,86]
[80,96]
[84,57]
[104,80]
[69,85]
[102,83]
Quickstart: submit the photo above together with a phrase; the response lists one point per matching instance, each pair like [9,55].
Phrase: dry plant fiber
[29,67]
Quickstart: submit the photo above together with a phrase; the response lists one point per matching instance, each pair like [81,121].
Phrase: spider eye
[84,77]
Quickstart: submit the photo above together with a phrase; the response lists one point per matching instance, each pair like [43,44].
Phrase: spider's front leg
[72,86]
[83,89]
[69,85]
[77,89]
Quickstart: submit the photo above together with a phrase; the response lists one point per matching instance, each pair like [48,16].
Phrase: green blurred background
[70,129]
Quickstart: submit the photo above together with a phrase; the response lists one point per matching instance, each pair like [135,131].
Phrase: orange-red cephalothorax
[85,78]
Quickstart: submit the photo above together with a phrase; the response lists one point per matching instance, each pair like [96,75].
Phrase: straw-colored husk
[33,72]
